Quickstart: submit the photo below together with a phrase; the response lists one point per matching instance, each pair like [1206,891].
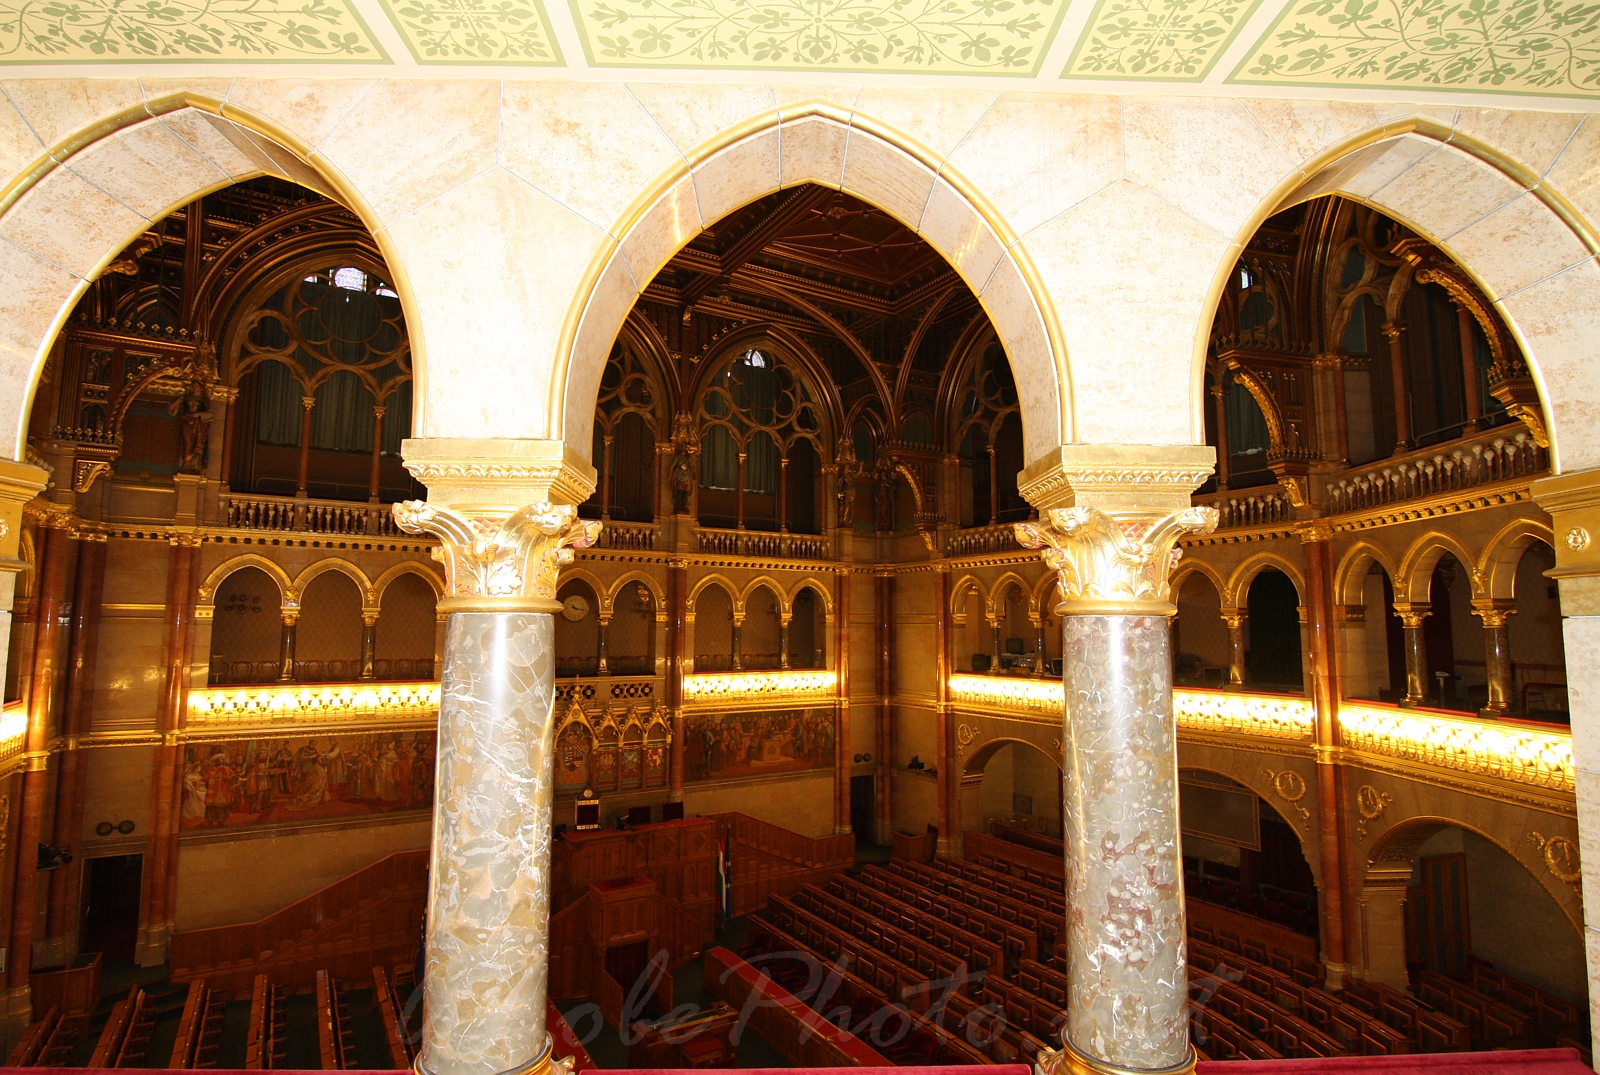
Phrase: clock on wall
[575,607]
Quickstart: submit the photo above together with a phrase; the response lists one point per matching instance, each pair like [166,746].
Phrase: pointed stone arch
[1414,579]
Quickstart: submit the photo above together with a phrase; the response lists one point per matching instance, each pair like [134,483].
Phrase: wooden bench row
[882,969]
[264,1037]
[1358,1032]
[48,1042]
[1428,1030]
[1254,950]
[979,954]
[1493,1023]
[876,935]
[1042,898]
[903,1035]
[390,1006]
[199,1028]
[1552,1014]
[1018,939]
[1027,1011]
[1261,1019]
[126,1035]
[1216,1037]
[335,1041]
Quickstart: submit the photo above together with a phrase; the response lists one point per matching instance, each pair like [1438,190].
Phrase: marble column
[291,618]
[1128,1006]
[1235,618]
[369,644]
[1415,646]
[677,612]
[485,984]
[1573,501]
[1496,654]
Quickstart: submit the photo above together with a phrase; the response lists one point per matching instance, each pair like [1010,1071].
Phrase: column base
[546,1063]
[1336,975]
[16,1012]
[1490,712]
[150,950]
[1069,1061]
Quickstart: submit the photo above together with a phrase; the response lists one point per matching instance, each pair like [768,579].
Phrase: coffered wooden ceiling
[1512,49]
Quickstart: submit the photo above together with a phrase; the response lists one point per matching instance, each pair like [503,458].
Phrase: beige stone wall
[240,878]
[802,803]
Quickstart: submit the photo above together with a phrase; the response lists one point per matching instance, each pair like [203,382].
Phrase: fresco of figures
[279,781]
[724,746]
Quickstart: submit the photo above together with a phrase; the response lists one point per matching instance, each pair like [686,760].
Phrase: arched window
[989,434]
[336,338]
[624,446]
[752,414]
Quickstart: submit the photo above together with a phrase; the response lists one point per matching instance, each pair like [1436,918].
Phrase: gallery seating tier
[877,965]
[389,1007]
[782,1019]
[1040,897]
[264,1045]
[1001,851]
[991,1027]
[48,1042]
[927,958]
[1257,941]
[1493,1023]
[1017,941]
[1552,1015]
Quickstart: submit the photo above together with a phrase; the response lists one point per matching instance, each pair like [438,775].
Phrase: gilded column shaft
[1126,945]
[489,899]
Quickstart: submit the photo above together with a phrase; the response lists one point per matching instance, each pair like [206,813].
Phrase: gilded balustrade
[216,712]
[811,687]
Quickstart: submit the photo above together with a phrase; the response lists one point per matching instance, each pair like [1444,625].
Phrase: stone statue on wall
[194,413]
[685,445]
[845,468]
[883,496]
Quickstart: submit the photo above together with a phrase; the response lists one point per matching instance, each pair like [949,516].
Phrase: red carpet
[1520,1062]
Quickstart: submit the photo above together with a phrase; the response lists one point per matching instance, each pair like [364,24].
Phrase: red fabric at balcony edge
[1519,1062]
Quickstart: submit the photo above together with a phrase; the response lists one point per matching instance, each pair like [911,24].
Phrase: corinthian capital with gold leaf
[501,564]
[1106,566]
[504,512]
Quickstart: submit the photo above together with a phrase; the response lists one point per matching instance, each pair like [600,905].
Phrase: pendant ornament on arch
[1113,564]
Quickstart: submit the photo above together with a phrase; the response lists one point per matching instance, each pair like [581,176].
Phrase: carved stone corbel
[1113,566]
[500,562]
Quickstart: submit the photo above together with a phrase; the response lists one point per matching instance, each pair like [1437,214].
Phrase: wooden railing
[379,906]
[761,543]
[292,514]
[769,860]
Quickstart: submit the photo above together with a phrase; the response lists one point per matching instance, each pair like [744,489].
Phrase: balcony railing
[759,543]
[983,541]
[222,709]
[639,537]
[1260,506]
[1496,456]
[261,673]
[289,514]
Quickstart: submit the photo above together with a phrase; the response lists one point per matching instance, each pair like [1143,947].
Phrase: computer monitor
[672,811]
[638,815]
[1014,646]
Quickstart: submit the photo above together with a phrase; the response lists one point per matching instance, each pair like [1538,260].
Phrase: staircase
[371,918]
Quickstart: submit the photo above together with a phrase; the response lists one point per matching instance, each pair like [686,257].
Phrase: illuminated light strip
[1275,716]
[1043,696]
[757,685]
[1525,755]
[13,730]
[305,703]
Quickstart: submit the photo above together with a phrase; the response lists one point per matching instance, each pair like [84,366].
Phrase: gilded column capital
[1142,479]
[1412,615]
[1494,612]
[494,475]
[1113,565]
[500,561]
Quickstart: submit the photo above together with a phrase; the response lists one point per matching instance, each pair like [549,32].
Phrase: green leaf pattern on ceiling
[109,31]
[1165,40]
[1005,37]
[1498,46]
[475,31]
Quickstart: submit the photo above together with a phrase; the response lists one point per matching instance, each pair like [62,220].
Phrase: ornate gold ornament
[1290,786]
[965,734]
[1370,804]
[1577,539]
[501,563]
[1560,857]
[1111,566]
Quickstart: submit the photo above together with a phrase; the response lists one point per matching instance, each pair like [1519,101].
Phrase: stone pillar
[61,933]
[677,611]
[843,742]
[1234,618]
[291,617]
[783,640]
[1383,923]
[369,644]
[1128,1007]
[1496,654]
[1324,692]
[1411,617]
[1397,373]
[602,663]
[1573,501]
[19,483]
[487,933]
[885,739]
[55,541]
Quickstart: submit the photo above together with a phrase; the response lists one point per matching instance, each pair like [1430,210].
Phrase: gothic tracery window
[988,432]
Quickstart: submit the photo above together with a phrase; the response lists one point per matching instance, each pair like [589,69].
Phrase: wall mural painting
[724,746]
[277,781]
[611,751]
